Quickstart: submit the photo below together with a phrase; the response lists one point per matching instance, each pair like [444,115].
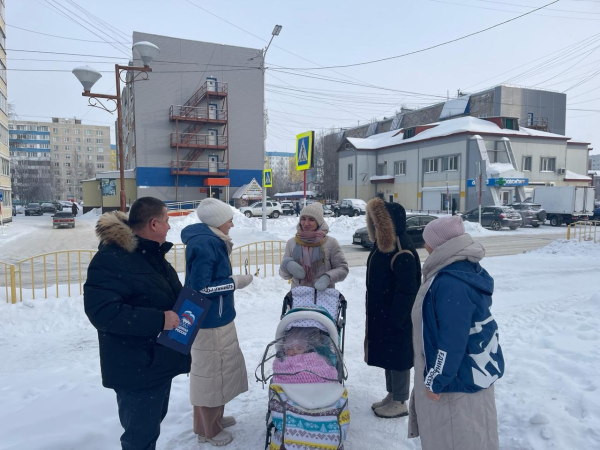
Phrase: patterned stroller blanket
[308,297]
[298,428]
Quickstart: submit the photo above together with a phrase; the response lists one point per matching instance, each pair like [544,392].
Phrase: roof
[452,127]
[572,176]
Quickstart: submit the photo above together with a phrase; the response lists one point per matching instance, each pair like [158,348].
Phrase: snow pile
[570,247]
[576,176]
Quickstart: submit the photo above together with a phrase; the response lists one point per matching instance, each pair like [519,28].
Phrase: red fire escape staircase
[196,112]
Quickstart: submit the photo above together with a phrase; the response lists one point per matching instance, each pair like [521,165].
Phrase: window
[42,128]
[4,135]
[56,156]
[67,156]
[527,163]
[66,131]
[77,130]
[88,133]
[78,157]
[3,103]
[55,130]
[68,181]
[100,150]
[67,148]
[548,165]
[88,149]
[88,141]
[99,132]
[2,71]
[511,124]
[350,171]
[408,133]
[431,165]
[5,167]
[100,158]
[77,148]
[100,166]
[451,163]
[57,172]
[78,140]
[56,164]
[89,157]
[400,168]
[99,141]
[68,164]
[69,172]
[54,139]
[67,139]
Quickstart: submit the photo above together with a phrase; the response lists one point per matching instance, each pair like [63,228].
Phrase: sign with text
[109,187]
[304,150]
[501,182]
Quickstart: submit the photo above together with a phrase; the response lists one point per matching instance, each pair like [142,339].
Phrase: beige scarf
[226,238]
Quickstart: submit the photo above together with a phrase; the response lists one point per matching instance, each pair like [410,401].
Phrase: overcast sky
[555,48]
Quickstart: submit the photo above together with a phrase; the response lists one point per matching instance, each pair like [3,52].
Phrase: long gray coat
[458,421]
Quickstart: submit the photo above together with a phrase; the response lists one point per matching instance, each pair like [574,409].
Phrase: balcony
[199,168]
[207,141]
[197,114]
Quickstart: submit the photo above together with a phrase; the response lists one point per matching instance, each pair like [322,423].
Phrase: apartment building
[51,159]
[5,181]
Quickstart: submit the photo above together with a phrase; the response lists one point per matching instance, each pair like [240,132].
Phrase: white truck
[565,204]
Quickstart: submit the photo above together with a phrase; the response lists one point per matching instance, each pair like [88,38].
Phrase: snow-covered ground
[547,304]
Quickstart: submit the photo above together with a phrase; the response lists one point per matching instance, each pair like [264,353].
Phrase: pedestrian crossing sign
[268,178]
[304,150]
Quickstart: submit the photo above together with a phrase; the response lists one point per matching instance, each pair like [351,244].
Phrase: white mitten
[241,281]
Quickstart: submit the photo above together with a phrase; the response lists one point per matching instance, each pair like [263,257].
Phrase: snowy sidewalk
[547,304]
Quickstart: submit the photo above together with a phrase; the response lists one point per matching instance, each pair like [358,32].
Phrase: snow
[246,230]
[575,176]
[381,177]
[455,107]
[546,303]
[499,168]
[446,128]
[296,194]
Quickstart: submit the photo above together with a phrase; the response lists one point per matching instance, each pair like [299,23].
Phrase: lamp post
[274,33]
[88,76]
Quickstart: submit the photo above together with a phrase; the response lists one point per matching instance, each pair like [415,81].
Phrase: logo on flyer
[187,322]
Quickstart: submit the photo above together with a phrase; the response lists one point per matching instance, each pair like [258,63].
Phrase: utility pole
[274,33]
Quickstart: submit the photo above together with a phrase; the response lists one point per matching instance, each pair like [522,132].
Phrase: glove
[296,270]
[323,283]
[241,281]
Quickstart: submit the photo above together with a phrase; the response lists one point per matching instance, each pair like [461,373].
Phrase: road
[500,245]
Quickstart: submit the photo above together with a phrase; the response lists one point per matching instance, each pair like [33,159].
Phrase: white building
[419,166]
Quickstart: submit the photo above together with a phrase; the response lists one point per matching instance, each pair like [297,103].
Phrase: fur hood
[112,228]
[385,222]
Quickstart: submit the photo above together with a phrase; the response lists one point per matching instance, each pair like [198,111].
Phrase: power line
[65,37]
[427,48]
[531,7]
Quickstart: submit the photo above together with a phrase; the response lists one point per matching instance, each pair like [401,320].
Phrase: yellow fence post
[13,285]
[568,232]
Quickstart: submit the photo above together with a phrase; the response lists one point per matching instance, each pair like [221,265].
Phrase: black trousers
[141,413]
[398,383]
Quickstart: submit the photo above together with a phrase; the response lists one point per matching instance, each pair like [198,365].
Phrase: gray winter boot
[223,438]
[385,401]
[391,410]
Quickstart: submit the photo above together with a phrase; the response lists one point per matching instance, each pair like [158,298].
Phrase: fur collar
[380,225]
[112,228]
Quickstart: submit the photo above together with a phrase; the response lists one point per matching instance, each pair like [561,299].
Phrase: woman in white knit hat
[456,345]
[218,368]
[311,257]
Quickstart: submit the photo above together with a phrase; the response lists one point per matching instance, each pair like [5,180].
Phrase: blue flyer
[192,307]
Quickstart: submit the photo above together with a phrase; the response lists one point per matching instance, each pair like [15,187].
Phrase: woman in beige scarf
[311,257]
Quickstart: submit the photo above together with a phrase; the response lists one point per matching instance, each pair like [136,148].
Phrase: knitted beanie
[214,212]
[314,210]
[441,230]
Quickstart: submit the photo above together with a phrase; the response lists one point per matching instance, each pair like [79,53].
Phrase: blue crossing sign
[304,150]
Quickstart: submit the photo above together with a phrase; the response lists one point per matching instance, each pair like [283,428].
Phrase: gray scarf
[456,249]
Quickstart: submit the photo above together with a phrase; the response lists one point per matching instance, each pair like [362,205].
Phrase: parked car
[66,204]
[352,207]
[273,210]
[495,217]
[287,209]
[48,207]
[596,213]
[58,205]
[33,209]
[63,219]
[415,223]
[532,213]
[327,211]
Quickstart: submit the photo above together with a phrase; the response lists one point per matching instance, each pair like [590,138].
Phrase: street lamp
[88,76]
[274,33]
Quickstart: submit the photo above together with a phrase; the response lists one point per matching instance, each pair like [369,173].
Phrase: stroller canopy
[294,316]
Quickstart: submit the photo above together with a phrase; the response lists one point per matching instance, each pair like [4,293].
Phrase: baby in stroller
[304,357]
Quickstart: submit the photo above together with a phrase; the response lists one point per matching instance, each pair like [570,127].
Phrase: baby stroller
[304,365]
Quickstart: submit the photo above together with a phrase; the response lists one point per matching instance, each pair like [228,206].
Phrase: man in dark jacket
[74,208]
[128,297]
[393,280]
